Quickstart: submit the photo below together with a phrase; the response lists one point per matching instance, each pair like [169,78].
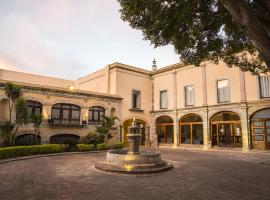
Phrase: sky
[72,38]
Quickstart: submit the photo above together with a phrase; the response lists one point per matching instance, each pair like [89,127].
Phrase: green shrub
[10,152]
[85,147]
[118,145]
[103,146]
[92,138]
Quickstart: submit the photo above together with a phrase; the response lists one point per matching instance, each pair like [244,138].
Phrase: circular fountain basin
[145,162]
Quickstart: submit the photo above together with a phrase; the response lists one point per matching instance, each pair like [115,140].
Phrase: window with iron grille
[95,115]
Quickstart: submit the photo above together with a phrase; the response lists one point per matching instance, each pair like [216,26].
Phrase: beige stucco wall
[97,81]
[35,79]
[185,77]
[163,81]
[252,87]
[126,81]
[219,72]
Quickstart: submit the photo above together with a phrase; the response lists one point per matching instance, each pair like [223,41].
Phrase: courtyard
[196,175]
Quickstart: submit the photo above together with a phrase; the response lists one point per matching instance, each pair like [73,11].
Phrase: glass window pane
[189,95]
[223,91]
[169,134]
[56,113]
[96,116]
[264,86]
[90,115]
[197,132]
[37,111]
[65,114]
[262,114]
[191,118]
[185,134]
[163,99]
[225,116]
[268,122]
[259,137]
[260,123]
[258,131]
[75,114]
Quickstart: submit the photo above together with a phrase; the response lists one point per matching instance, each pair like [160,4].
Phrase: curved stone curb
[46,155]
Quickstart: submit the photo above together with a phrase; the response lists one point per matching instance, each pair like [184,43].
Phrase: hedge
[85,147]
[11,152]
[118,145]
[103,146]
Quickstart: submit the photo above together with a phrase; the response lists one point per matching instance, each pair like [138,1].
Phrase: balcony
[66,123]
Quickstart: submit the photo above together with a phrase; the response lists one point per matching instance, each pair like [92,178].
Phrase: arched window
[191,129]
[165,130]
[96,114]
[33,107]
[226,130]
[260,129]
[66,114]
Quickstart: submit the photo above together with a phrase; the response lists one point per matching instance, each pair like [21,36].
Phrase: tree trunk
[241,13]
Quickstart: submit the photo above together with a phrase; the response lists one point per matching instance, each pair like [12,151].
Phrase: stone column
[244,127]
[175,123]
[175,131]
[153,135]
[84,114]
[204,86]
[242,86]
[206,129]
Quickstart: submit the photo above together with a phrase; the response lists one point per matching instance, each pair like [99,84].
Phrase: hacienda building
[178,105]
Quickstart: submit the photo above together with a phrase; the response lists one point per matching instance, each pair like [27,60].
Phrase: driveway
[196,175]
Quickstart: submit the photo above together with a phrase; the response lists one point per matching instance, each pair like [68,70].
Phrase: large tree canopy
[235,31]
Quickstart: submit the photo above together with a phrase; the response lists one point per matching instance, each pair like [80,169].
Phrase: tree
[9,129]
[104,129]
[235,31]
[13,93]
[36,119]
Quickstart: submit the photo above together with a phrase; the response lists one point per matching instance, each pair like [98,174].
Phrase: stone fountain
[134,161]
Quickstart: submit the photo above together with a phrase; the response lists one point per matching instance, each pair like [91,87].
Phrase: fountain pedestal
[134,161]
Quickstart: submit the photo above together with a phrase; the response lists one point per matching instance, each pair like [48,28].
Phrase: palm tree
[108,123]
[13,93]
[9,129]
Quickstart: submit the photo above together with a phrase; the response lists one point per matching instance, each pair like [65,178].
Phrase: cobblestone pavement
[196,175]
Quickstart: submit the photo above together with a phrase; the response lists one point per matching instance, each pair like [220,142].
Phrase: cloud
[69,38]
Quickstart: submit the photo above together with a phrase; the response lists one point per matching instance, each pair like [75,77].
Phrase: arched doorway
[27,139]
[128,123]
[260,129]
[165,130]
[226,130]
[191,129]
[64,139]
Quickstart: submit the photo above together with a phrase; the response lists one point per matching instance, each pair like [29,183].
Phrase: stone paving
[196,175]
